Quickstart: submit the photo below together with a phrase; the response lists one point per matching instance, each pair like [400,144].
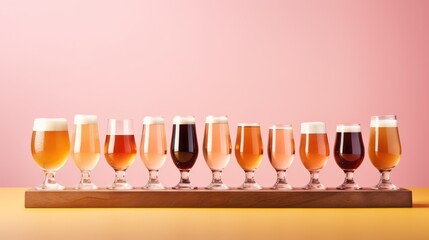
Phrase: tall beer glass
[120,150]
[50,147]
[184,148]
[85,149]
[248,151]
[217,148]
[384,148]
[349,152]
[153,149]
[314,151]
[281,152]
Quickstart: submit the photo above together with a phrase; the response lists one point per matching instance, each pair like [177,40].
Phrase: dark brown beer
[349,150]
[184,146]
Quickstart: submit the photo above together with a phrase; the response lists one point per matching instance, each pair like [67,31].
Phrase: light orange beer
[50,143]
[217,143]
[248,146]
[153,147]
[384,147]
[85,150]
[314,146]
[281,146]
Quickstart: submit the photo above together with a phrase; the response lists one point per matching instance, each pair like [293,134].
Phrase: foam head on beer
[153,120]
[184,120]
[248,125]
[85,119]
[281,126]
[348,128]
[313,127]
[384,121]
[216,119]
[50,124]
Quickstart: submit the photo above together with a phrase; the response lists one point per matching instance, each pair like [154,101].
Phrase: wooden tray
[233,198]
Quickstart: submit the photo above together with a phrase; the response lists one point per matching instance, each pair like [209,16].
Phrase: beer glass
[349,152]
[248,151]
[314,151]
[153,149]
[184,148]
[217,148]
[85,149]
[384,148]
[120,150]
[50,147]
[281,152]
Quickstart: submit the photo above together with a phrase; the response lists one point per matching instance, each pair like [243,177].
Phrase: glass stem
[120,176]
[349,177]
[385,177]
[85,177]
[49,178]
[217,176]
[314,177]
[281,176]
[153,176]
[250,177]
[184,176]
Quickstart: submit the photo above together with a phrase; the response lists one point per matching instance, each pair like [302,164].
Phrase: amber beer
[85,142]
[217,143]
[314,151]
[281,146]
[120,151]
[50,144]
[384,147]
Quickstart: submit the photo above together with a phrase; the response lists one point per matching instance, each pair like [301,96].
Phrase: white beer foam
[313,127]
[281,126]
[216,119]
[85,119]
[50,124]
[153,120]
[126,127]
[183,120]
[248,125]
[384,123]
[348,128]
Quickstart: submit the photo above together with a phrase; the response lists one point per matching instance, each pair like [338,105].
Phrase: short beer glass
[384,148]
[153,149]
[349,152]
[85,149]
[217,148]
[249,152]
[314,151]
[184,149]
[120,150]
[281,152]
[50,148]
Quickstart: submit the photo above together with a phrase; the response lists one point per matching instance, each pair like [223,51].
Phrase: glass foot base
[217,186]
[282,186]
[349,186]
[120,186]
[154,186]
[314,187]
[54,186]
[385,186]
[183,186]
[90,186]
[250,186]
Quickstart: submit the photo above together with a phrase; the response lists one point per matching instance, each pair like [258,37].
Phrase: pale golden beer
[249,152]
[217,148]
[85,150]
[50,147]
[281,152]
[314,151]
[384,148]
[153,149]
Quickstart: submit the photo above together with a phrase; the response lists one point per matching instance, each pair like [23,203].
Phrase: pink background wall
[255,61]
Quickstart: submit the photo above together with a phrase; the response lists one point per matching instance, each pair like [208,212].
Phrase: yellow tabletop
[17,222]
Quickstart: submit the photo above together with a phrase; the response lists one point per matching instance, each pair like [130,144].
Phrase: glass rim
[85,119]
[248,125]
[187,119]
[384,117]
[120,119]
[354,127]
[50,124]
[153,120]
[313,128]
[217,119]
[281,126]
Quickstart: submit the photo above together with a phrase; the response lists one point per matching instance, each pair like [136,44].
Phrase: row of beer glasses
[50,148]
